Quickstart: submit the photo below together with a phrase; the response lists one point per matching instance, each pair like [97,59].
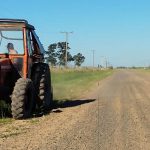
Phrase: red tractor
[25,80]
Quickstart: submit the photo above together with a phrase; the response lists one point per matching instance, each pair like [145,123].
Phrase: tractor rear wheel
[45,88]
[42,83]
[22,99]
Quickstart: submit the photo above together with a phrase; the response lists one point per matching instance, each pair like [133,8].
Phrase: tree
[51,54]
[78,59]
[56,54]
[61,53]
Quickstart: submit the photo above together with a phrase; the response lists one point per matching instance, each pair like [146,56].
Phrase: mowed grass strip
[70,84]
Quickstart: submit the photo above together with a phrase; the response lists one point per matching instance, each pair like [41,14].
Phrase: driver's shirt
[13,52]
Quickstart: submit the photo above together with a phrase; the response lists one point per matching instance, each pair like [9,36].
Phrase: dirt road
[115,116]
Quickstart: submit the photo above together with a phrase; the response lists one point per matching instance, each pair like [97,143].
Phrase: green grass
[69,84]
[4,109]
[5,120]
[34,121]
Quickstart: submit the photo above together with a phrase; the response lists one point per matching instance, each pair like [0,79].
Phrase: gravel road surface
[115,115]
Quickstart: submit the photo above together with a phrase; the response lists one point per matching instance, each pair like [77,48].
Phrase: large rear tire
[42,83]
[22,99]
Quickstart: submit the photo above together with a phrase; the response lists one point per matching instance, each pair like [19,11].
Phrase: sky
[117,30]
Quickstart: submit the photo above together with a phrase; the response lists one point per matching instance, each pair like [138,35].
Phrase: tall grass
[69,84]
[5,109]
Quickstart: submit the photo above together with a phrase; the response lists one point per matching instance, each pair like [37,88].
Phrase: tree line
[56,53]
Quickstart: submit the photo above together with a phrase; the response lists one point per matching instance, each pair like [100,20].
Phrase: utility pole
[66,34]
[106,62]
[93,57]
[102,61]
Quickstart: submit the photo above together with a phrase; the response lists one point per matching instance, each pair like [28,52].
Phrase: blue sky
[116,29]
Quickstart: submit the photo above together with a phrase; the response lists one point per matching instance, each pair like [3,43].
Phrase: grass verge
[5,120]
[69,84]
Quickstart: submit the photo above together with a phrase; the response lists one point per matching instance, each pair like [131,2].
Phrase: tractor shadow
[58,104]
[57,107]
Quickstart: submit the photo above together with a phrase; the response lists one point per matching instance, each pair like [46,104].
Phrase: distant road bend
[119,119]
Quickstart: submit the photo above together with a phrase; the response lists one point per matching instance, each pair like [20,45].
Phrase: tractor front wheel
[22,99]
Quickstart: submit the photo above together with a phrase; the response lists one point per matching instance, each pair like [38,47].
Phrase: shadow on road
[70,103]
[56,107]
[58,104]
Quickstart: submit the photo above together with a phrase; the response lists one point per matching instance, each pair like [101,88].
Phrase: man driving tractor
[11,49]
